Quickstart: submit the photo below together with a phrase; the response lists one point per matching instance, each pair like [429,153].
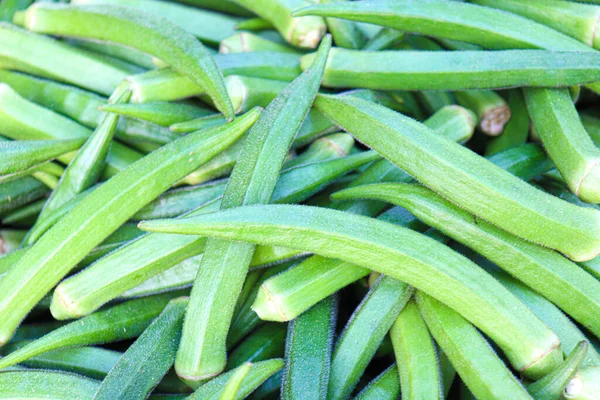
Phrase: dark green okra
[308,349]
[386,386]
[20,192]
[148,359]
[101,213]
[265,342]
[142,31]
[516,130]
[224,266]
[345,34]
[467,179]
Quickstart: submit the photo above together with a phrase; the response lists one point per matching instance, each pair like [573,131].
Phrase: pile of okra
[300,200]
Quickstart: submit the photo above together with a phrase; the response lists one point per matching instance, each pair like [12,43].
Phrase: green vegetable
[249,42]
[386,386]
[160,113]
[234,383]
[491,109]
[267,341]
[52,385]
[516,129]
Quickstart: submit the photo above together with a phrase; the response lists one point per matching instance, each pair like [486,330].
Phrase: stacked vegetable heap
[154,154]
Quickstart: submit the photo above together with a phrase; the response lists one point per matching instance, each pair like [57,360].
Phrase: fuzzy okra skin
[386,386]
[557,278]
[101,213]
[249,42]
[458,70]
[399,253]
[467,179]
[308,348]
[45,384]
[302,32]
[202,353]
[516,129]
[160,113]
[140,30]
[148,359]
[566,141]
[474,359]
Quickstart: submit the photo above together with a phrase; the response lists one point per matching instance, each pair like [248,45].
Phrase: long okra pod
[308,348]
[466,179]
[474,359]
[398,252]
[45,384]
[101,213]
[160,113]
[202,353]
[143,31]
[568,144]
[416,355]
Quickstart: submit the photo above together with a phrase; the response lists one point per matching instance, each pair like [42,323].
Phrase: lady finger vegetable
[46,384]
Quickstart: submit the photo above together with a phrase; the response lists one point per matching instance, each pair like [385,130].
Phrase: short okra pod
[416,355]
[143,31]
[148,359]
[567,143]
[474,359]
[160,113]
[458,70]
[491,109]
[124,321]
[52,385]
[308,349]
[302,32]
[248,42]
[96,216]
[529,345]
[467,179]
[516,129]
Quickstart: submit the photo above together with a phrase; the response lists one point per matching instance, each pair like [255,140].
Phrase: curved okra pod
[566,141]
[516,129]
[416,355]
[364,332]
[142,31]
[19,158]
[572,289]
[302,32]
[249,42]
[160,113]
[101,213]
[308,348]
[46,384]
[202,353]
[474,359]
[457,70]
[124,321]
[259,373]
[529,345]
[148,359]
[467,179]
[208,26]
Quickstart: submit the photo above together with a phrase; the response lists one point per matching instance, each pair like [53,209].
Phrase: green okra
[19,158]
[25,215]
[198,123]
[270,389]
[308,349]
[142,31]
[165,84]
[576,20]
[148,359]
[323,149]
[254,24]
[585,385]
[82,106]
[572,289]
[526,161]
[160,113]
[592,267]
[224,266]
[416,355]
[24,120]
[457,70]
[529,345]
[433,101]
[247,291]
[10,240]
[266,342]
[128,55]
[565,139]
[345,33]
[208,26]
[102,212]
[234,383]
[218,167]
[247,92]
[364,332]
[551,386]
[491,109]
[302,32]
[10,7]
[259,373]
[47,56]
[224,6]
[124,321]
[52,385]
[384,39]
[20,192]
[249,42]
[386,386]
[591,123]
[516,129]
[474,359]
[466,179]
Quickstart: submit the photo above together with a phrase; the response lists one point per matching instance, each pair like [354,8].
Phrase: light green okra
[308,349]
[223,6]
[474,359]
[491,109]
[254,24]
[384,39]
[566,141]
[386,386]
[416,355]
[45,384]
[140,30]
[198,123]
[101,213]
[345,34]
[131,56]
[516,129]
[160,113]
[323,149]
[224,266]
[248,42]
[234,383]
[467,179]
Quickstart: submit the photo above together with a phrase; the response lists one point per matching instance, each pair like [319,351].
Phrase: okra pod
[248,42]
[345,34]
[386,386]
[160,113]
[45,384]
[516,129]
[384,39]
[491,109]
[234,383]
[20,192]
[323,149]
[266,342]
